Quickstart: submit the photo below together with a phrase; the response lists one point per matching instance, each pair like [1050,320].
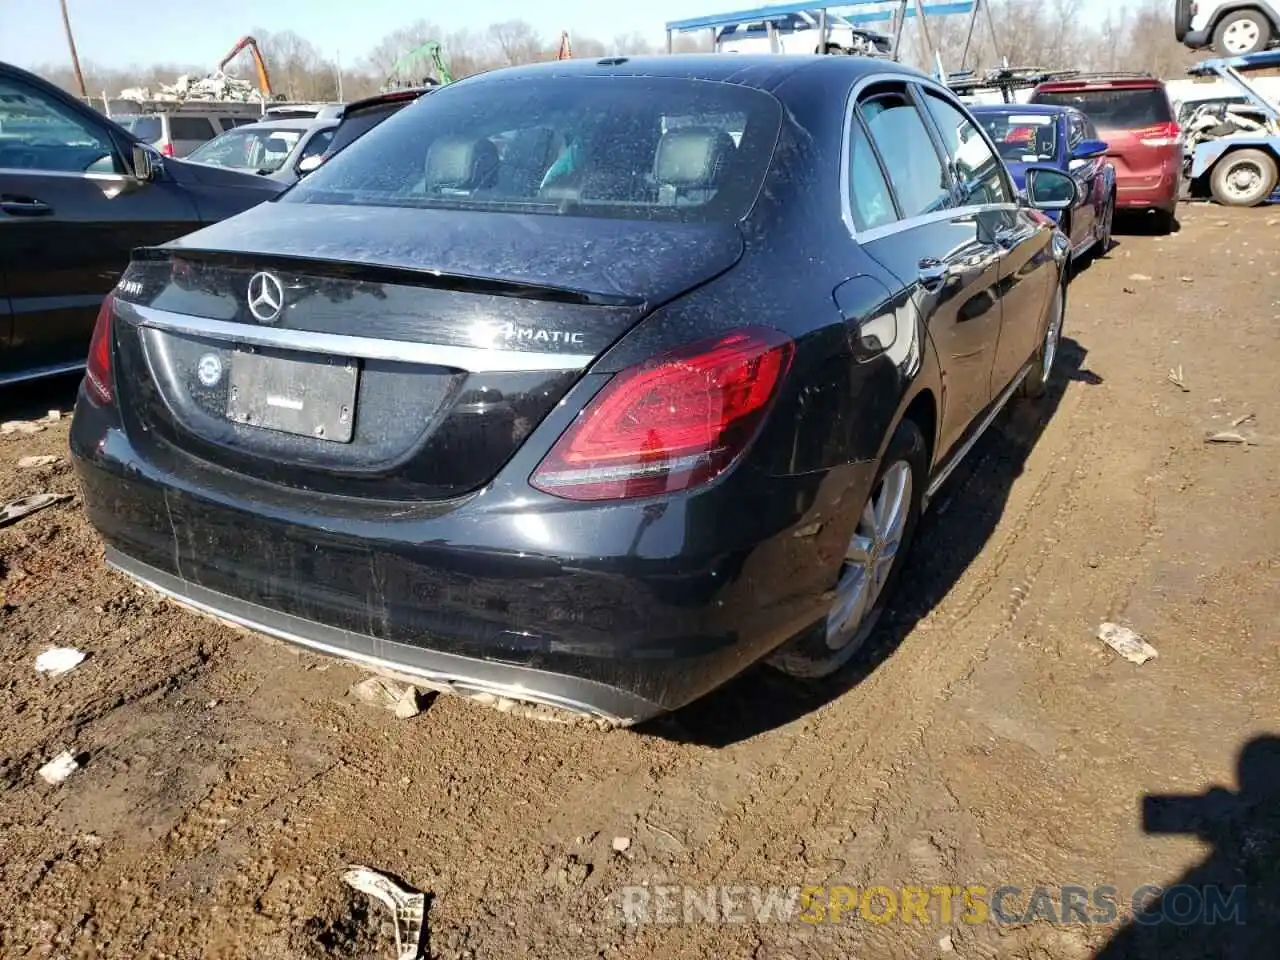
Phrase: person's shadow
[1228,906]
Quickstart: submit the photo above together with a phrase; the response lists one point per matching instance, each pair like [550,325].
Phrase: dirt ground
[989,739]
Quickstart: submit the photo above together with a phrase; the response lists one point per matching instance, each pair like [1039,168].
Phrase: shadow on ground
[953,532]
[32,400]
[1229,905]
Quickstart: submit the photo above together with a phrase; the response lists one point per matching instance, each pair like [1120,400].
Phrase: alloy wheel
[870,556]
[1052,334]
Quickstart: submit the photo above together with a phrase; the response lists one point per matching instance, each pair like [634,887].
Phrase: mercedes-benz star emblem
[266,296]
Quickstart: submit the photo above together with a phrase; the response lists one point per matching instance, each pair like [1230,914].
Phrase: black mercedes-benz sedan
[585,384]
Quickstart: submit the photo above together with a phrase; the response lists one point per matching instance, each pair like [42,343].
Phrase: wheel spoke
[890,504]
[859,551]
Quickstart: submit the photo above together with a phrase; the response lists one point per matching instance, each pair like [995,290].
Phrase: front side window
[978,171]
[39,133]
[316,145]
[915,171]
[264,151]
[631,147]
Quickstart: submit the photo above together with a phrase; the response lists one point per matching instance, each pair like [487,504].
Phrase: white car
[1230,27]
[798,33]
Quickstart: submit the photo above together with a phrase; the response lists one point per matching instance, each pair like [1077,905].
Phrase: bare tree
[516,42]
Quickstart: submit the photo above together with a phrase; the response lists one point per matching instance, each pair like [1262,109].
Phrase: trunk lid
[384,353]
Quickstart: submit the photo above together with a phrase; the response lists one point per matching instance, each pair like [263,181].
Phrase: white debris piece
[621,844]
[20,426]
[1126,643]
[59,660]
[30,463]
[59,768]
[1139,276]
[403,701]
[408,907]
[945,944]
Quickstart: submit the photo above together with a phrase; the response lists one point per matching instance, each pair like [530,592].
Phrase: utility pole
[75,57]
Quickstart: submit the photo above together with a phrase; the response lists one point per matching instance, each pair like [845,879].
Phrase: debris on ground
[1138,276]
[20,426]
[59,768]
[59,660]
[621,844]
[31,463]
[1244,418]
[53,416]
[1126,643]
[945,944]
[404,700]
[408,907]
[15,510]
[1175,377]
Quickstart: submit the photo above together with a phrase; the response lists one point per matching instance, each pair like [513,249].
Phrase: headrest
[692,157]
[276,145]
[461,163]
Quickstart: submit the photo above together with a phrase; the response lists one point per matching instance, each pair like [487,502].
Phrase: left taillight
[670,424]
[97,373]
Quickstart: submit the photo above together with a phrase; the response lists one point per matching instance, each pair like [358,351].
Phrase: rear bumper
[1150,193]
[618,611]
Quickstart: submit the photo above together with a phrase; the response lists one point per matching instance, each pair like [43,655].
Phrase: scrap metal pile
[218,87]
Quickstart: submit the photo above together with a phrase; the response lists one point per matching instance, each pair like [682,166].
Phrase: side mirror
[1088,149]
[144,164]
[307,164]
[1048,188]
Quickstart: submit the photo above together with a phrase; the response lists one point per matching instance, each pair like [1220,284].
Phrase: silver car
[272,148]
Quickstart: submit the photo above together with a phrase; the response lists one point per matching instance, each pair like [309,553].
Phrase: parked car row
[79,191]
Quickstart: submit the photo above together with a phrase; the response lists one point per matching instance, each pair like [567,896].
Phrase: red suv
[1133,114]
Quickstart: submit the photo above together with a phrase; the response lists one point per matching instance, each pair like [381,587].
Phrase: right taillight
[167,150]
[97,372]
[1162,135]
[671,423]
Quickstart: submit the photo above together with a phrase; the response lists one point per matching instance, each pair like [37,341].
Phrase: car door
[906,216]
[1023,242]
[1084,216]
[69,215]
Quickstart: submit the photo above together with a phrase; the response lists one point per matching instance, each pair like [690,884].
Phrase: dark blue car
[588,383]
[1062,137]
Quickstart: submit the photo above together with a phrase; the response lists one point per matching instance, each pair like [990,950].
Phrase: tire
[1103,245]
[1243,178]
[1036,382]
[830,644]
[1245,31]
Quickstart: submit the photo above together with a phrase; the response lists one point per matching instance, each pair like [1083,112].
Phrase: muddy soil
[988,739]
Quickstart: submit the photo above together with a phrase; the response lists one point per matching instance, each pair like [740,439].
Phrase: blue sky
[118,34]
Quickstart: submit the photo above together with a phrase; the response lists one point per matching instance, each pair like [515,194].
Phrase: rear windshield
[1114,108]
[1022,137]
[146,129]
[356,125]
[632,147]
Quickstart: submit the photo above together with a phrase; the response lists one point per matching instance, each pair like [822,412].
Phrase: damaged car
[585,384]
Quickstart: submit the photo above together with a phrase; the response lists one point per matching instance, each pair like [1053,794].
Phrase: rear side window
[631,147]
[190,128]
[915,170]
[146,129]
[870,202]
[1114,108]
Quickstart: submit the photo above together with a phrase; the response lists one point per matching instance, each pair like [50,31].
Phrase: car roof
[1049,109]
[1102,82]
[764,71]
[298,123]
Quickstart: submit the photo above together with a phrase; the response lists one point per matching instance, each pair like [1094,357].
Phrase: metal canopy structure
[853,12]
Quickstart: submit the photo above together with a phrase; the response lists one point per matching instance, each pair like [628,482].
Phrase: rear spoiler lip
[385,273]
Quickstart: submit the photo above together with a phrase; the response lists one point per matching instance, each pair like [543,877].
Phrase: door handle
[933,273]
[24,206]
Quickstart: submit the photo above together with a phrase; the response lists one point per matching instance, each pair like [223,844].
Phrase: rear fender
[1262,6]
